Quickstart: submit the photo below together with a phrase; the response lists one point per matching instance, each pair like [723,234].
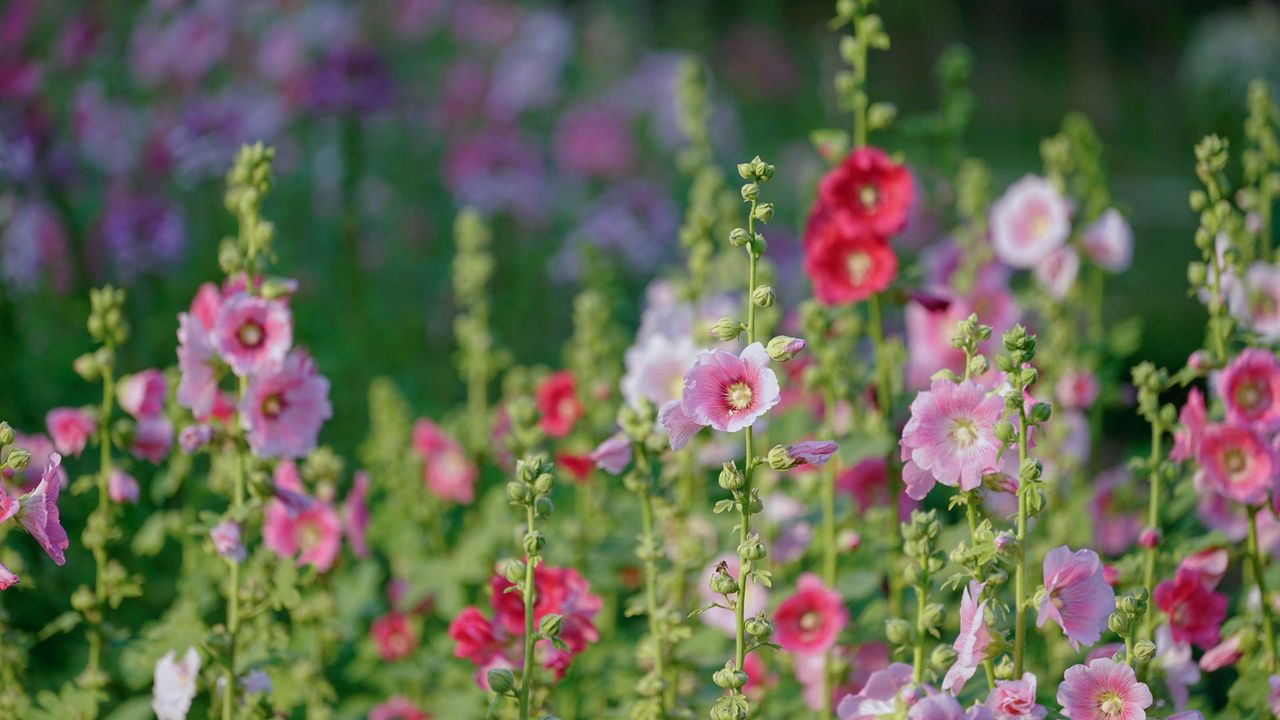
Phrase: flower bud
[1149,538]
[86,366]
[784,347]
[942,657]
[501,680]
[750,191]
[550,625]
[726,329]
[898,631]
[1144,650]
[753,549]
[978,365]
[722,583]
[517,493]
[542,484]
[1004,431]
[738,237]
[744,170]
[764,212]
[1040,412]
[729,707]
[533,542]
[1197,274]
[780,459]
[758,245]
[731,477]
[763,296]
[542,507]
[7,435]
[934,614]
[514,571]
[759,626]
[1118,623]
[729,677]
[18,459]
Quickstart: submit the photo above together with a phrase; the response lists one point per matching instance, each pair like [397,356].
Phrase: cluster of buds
[866,33]
[970,334]
[248,182]
[1261,161]
[1125,621]
[1220,223]
[473,264]
[1020,349]
[16,459]
[107,327]
[920,545]
[531,488]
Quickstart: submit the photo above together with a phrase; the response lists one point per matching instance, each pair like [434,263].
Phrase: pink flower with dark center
[1076,596]
[1109,241]
[142,394]
[1250,388]
[614,454]
[1029,222]
[152,439]
[724,391]
[121,487]
[394,636]
[38,513]
[1195,612]
[1192,420]
[70,429]
[447,471]
[1076,389]
[253,334]
[282,411]
[355,515]
[1015,700]
[1103,690]
[867,192]
[1235,463]
[810,620]
[950,437]
[313,535]
[971,644]
[1255,301]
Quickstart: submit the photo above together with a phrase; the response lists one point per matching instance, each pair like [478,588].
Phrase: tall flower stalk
[1150,382]
[477,360]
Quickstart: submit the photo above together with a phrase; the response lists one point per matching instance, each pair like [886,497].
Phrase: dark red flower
[578,467]
[1195,611]
[474,637]
[558,404]
[868,193]
[844,266]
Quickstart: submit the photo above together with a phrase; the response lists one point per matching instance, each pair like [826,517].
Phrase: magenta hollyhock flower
[811,452]
[1057,272]
[8,578]
[122,487]
[447,472]
[1029,222]
[313,535]
[9,505]
[1210,563]
[879,697]
[474,637]
[810,620]
[594,141]
[1109,241]
[950,437]
[282,411]
[614,454]
[1224,654]
[724,391]
[1195,612]
[226,540]
[1250,388]
[142,394]
[152,439]
[1235,463]
[867,192]
[1015,700]
[1255,301]
[397,707]
[253,334]
[971,644]
[355,514]
[1076,596]
[936,707]
[1192,420]
[1103,690]
[38,513]
[70,429]
[394,635]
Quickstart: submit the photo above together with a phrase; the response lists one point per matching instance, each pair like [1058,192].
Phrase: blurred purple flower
[594,140]
[767,71]
[527,73]
[110,134]
[484,23]
[634,222]
[33,242]
[350,80]
[180,47]
[200,143]
[498,171]
[140,234]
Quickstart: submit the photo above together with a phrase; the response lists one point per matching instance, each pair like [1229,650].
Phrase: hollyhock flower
[1029,222]
[355,515]
[1057,272]
[142,394]
[846,266]
[8,578]
[1076,389]
[152,439]
[562,591]
[473,637]
[42,450]
[447,471]
[1235,463]
[394,636]
[1195,612]
[1103,690]
[175,684]
[121,487]
[929,332]
[867,192]
[634,223]
[655,367]
[879,697]
[194,437]
[950,437]
[198,383]
[971,644]
[594,141]
[558,404]
[1224,654]
[313,535]
[38,513]
[226,540]
[70,429]
[1109,241]
[1191,424]
[614,454]
[1115,527]
[1015,700]
[810,452]
[759,679]
[810,620]
[1076,596]
[577,467]
[1176,664]
[1255,301]
[282,411]
[1250,388]
[1210,563]
[397,707]
[724,391]
[253,334]
[723,618]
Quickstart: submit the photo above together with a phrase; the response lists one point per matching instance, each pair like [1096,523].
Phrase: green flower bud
[758,245]
[1118,623]
[942,657]
[729,677]
[784,347]
[738,237]
[1197,274]
[18,458]
[542,483]
[731,477]
[514,571]
[727,329]
[501,681]
[550,625]
[763,296]
[898,631]
[934,613]
[764,212]
[750,191]
[533,542]
[729,707]
[86,366]
[759,626]
[722,583]
[543,507]
[1144,650]
[780,459]
[7,435]
[1004,432]
[753,548]
[518,493]
[744,171]
[1040,412]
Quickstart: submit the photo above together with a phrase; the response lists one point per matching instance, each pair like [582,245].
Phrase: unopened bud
[731,477]
[897,631]
[738,237]
[763,296]
[501,680]
[726,329]
[550,625]
[784,347]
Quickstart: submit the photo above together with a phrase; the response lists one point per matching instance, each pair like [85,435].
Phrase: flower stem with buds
[1258,567]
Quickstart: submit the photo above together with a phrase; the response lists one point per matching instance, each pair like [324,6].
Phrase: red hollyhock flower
[868,193]
[1195,611]
[845,267]
[474,637]
[578,467]
[394,636]
[558,404]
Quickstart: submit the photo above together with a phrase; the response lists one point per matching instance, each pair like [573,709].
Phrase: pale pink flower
[1115,526]
[38,513]
[226,540]
[9,504]
[1224,654]
[70,429]
[1109,241]
[447,471]
[936,707]
[282,411]
[1255,301]
[950,437]
[175,685]
[122,487]
[1077,389]
[811,452]
[193,437]
[142,394]
[198,383]
[152,439]
[313,535]
[1076,596]
[879,696]
[655,367]
[1015,700]
[971,644]
[809,620]
[1210,563]
[1192,420]
[1029,222]
[1057,272]
[1250,388]
[355,515]
[8,578]
[614,454]
[1176,664]
[725,391]
[253,334]
[1235,463]
[680,427]
[1103,690]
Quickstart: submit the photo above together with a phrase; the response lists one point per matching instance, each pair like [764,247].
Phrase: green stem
[233,581]
[744,565]
[1153,523]
[883,401]
[971,513]
[103,511]
[1257,563]
[922,601]
[528,671]
[1020,577]
[829,556]
[650,544]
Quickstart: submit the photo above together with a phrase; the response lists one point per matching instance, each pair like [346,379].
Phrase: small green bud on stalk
[501,681]
[763,296]
[727,329]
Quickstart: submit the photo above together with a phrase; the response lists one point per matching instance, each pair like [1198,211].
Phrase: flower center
[1039,225]
[1234,461]
[1111,704]
[272,405]
[1263,305]
[868,196]
[810,621]
[308,536]
[859,265]
[738,395]
[1249,396]
[250,334]
[964,433]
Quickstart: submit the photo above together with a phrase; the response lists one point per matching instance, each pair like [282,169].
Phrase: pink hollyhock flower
[811,452]
[397,707]
[614,454]
[355,515]
[1224,654]
[198,383]
[1109,241]
[1029,222]
[474,637]
[38,513]
[313,535]
[282,411]
[879,697]
[1174,660]
[718,617]
[1057,272]
[1250,388]
[1103,690]
[1210,563]
[1115,527]
[558,404]
[971,644]
[1195,612]
[194,437]
[1192,420]
[936,707]
[253,334]
[1076,389]
[9,505]
[1255,301]
[594,141]
[759,679]
[142,394]
[152,439]
[655,368]
[1076,596]
[846,266]
[724,391]
[394,636]
[121,487]
[446,470]
[577,467]
[1015,700]
[8,578]
[70,429]
[41,449]
[810,620]
[950,437]
[867,192]
[1235,463]
[226,540]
